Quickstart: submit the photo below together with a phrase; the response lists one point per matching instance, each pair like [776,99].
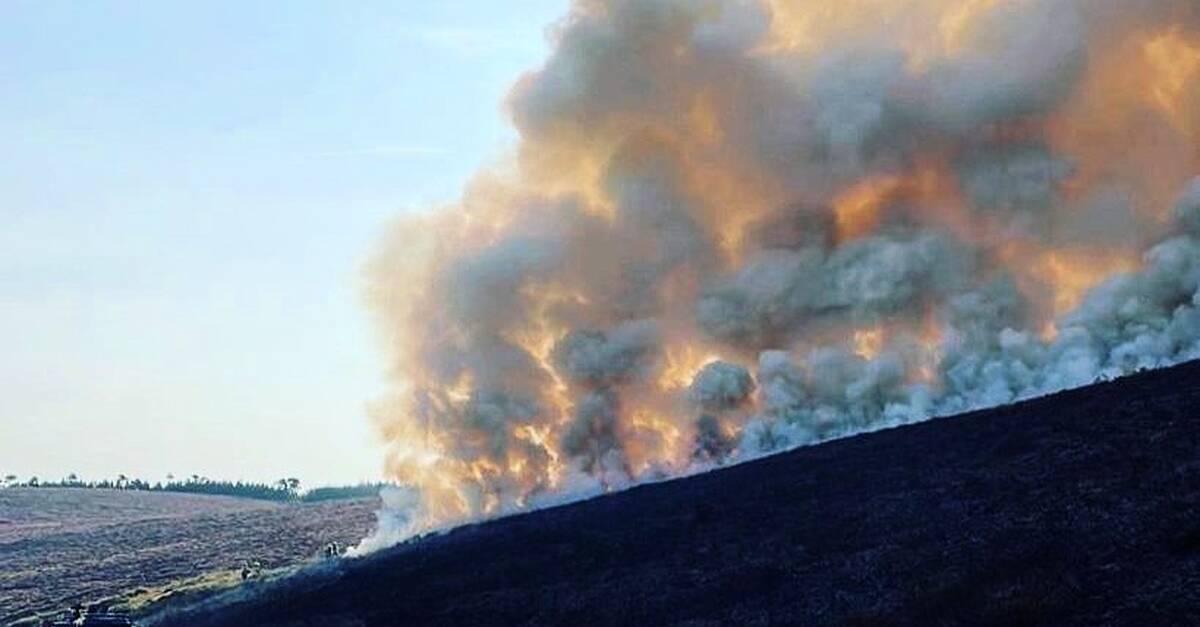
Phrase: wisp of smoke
[734,227]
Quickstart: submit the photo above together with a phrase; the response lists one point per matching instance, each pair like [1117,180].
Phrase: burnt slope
[1078,508]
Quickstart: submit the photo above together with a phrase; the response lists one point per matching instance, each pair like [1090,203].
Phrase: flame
[1137,107]
[570,166]
[955,28]
[1175,76]
[806,28]
[682,364]
[857,209]
[542,331]
[704,120]
[868,343]
[657,442]
[542,438]
[929,353]
[461,392]
[1072,274]
[1067,273]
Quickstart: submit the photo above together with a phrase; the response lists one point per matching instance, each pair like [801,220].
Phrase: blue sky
[188,191]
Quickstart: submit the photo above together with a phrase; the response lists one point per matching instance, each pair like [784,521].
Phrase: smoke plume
[734,227]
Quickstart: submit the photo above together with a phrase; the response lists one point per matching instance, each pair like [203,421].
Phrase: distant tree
[286,489]
[277,491]
[332,493]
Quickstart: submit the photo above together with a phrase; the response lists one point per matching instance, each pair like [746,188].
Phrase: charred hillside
[1078,508]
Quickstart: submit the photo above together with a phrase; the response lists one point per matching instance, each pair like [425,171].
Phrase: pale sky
[188,191]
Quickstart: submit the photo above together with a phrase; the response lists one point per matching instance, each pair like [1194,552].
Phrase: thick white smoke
[737,227]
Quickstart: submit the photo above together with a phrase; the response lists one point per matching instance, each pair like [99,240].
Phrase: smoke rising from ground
[736,227]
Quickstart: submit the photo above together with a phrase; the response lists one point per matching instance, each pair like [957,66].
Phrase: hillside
[1079,508]
[60,546]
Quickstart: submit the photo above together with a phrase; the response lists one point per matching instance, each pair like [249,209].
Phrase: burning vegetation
[736,227]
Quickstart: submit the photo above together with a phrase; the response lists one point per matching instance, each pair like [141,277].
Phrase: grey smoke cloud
[597,358]
[721,386]
[726,233]
[781,290]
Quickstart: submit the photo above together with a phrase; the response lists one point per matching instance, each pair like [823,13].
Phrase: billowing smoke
[733,227]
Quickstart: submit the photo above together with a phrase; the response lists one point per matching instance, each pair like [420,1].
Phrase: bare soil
[60,546]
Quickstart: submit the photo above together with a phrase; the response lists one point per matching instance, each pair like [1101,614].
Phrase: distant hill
[61,546]
[1081,508]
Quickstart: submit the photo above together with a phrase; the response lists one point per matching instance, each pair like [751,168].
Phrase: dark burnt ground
[1079,508]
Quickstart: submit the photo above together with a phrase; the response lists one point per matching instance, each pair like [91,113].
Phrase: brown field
[64,546]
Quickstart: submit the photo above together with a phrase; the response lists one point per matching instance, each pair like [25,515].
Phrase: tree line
[285,489]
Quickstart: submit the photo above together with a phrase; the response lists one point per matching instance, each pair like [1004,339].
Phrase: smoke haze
[735,227]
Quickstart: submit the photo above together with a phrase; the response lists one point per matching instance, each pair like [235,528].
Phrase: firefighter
[332,550]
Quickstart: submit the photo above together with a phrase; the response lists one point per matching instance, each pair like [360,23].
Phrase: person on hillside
[332,550]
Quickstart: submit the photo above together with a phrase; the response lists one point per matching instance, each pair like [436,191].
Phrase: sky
[188,193]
